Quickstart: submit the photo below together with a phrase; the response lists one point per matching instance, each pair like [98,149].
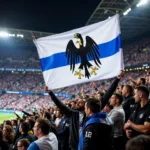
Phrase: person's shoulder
[52,135]
[120,110]
[98,128]
[33,146]
[75,111]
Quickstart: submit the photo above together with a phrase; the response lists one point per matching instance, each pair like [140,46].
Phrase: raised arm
[17,115]
[58,103]
[26,113]
[111,90]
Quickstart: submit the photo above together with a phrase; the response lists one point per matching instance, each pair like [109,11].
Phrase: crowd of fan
[116,118]
[28,82]
[112,114]
[137,53]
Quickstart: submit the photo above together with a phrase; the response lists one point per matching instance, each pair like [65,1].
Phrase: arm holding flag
[111,90]
[58,103]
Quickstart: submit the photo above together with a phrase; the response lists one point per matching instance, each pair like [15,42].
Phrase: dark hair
[129,88]
[73,96]
[25,127]
[93,104]
[68,105]
[8,122]
[143,80]
[141,142]
[10,133]
[21,120]
[121,86]
[119,96]
[31,122]
[24,142]
[101,93]
[143,89]
[44,125]
[36,117]
[60,112]
[15,121]
[47,116]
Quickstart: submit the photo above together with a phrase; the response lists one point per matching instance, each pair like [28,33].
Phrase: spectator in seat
[8,134]
[23,144]
[3,143]
[96,132]
[139,121]
[46,139]
[117,114]
[23,129]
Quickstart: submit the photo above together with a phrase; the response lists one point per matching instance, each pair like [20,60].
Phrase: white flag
[81,55]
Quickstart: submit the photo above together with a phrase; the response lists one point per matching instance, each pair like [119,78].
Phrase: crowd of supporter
[137,53]
[28,82]
[110,115]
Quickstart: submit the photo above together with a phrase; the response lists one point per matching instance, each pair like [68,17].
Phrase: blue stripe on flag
[60,60]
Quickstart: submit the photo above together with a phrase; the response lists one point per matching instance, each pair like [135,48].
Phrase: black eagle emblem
[75,55]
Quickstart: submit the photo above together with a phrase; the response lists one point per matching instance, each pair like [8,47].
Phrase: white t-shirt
[118,117]
[57,121]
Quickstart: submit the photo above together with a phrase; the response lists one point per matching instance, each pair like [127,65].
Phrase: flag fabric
[81,55]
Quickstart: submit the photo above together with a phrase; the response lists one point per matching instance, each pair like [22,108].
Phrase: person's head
[127,90]
[14,122]
[9,133]
[20,121]
[51,110]
[132,84]
[92,106]
[140,93]
[47,116]
[7,130]
[23,144]
[31,122]
[99,95]
[24,128]
[140,81]
[116,100]
[7,122]
[117,90]
[80,104]
[68,105]
[59,114]
[33,113]
[73,97]
[120,89]
[41,127]
[141,142]
[55,108]
[73,104]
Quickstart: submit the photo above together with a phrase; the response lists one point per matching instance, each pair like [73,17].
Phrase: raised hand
[121,74]
[46,89]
